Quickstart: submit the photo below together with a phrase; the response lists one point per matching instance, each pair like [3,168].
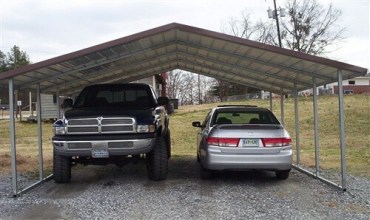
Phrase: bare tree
[310,27]
[243,27]
[183,86]
[173,83]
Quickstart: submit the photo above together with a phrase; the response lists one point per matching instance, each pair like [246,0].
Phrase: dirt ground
[102,192]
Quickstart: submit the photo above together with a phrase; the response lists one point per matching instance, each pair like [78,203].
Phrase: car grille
[100,125]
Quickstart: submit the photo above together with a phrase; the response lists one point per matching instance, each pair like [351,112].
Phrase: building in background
[358,85]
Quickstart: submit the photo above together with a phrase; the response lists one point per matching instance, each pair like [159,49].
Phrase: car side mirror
[163,100]
[196,124]
[67,103]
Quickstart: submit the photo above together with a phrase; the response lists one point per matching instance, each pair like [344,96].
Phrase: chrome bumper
[114,147]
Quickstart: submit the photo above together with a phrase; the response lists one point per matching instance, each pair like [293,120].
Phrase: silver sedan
[243,138]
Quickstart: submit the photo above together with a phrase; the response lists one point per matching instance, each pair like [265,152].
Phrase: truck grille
[100,125]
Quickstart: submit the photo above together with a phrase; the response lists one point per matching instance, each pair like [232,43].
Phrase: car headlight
[59,128]
[145,128]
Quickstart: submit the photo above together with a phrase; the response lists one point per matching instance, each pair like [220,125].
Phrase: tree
[3,67]
[187,87]
[309,27]
[16,58]
[222,89]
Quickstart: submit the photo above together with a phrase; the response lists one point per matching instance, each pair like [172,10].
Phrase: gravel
[109,192]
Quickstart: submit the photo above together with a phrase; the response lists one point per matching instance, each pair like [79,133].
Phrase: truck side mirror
[67,103]
[163,100]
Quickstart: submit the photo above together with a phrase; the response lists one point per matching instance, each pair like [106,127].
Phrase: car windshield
[244,117]
[121,96]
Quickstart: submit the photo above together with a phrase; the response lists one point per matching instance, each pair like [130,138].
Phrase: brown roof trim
[186,28]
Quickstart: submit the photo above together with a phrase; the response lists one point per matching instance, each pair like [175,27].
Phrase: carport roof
[178,46]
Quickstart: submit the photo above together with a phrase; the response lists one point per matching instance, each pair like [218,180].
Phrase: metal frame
[15,191]
[316,173]
[189,48]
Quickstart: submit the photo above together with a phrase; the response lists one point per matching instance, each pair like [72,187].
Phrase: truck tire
[168,141]
[61,169]
[157,164]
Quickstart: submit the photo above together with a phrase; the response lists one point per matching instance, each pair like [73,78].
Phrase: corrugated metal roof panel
[179,46]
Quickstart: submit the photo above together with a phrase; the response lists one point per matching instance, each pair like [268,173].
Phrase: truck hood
[143,114]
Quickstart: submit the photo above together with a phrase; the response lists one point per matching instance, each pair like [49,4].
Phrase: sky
[46,29]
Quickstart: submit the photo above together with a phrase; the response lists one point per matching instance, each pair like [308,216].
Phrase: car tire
[157,164]
[61,169]
[282,174]
[205,174]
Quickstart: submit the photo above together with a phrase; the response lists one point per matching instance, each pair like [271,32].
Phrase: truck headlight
[58,128]
[145,128]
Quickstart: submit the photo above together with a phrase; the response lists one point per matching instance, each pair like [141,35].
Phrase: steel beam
[58,104]
[12,138]
[271,101]
[296,119]
[282,107]
[316,127]
[342,132]
[39,132]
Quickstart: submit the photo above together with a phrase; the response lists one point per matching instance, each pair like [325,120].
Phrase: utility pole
[274,15]
[277,23]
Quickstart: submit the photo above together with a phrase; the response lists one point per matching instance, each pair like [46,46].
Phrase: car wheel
[205,174]
[157,164]
[282,174]
[61,169]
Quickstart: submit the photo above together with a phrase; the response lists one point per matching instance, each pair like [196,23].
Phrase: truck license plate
[250,142]
[99,153]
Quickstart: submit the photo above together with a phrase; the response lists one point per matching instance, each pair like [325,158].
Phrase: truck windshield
[114,96]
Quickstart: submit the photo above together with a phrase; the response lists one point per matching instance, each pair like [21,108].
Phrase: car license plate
[99,153]
[250,142]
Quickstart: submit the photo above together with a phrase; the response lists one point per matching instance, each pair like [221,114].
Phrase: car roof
[239,107]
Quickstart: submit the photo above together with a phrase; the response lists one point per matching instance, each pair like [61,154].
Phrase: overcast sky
[45,29]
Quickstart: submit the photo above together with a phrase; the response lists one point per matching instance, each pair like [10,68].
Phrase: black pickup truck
[113,123]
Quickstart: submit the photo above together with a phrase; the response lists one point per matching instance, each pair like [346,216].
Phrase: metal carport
[178,46]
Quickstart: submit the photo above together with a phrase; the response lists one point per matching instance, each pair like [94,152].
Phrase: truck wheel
[157,164]
[168,139]
[61,169]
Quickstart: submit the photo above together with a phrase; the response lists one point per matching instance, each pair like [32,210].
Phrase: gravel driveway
[102,192]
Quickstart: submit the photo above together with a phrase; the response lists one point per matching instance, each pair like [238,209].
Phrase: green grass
[183,135]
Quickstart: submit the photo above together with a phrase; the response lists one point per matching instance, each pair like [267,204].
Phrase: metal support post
[58,105]
[271,101]
[296,116]
[316,127]
[12,137]
[342,132]
[282,107]
[39,125]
